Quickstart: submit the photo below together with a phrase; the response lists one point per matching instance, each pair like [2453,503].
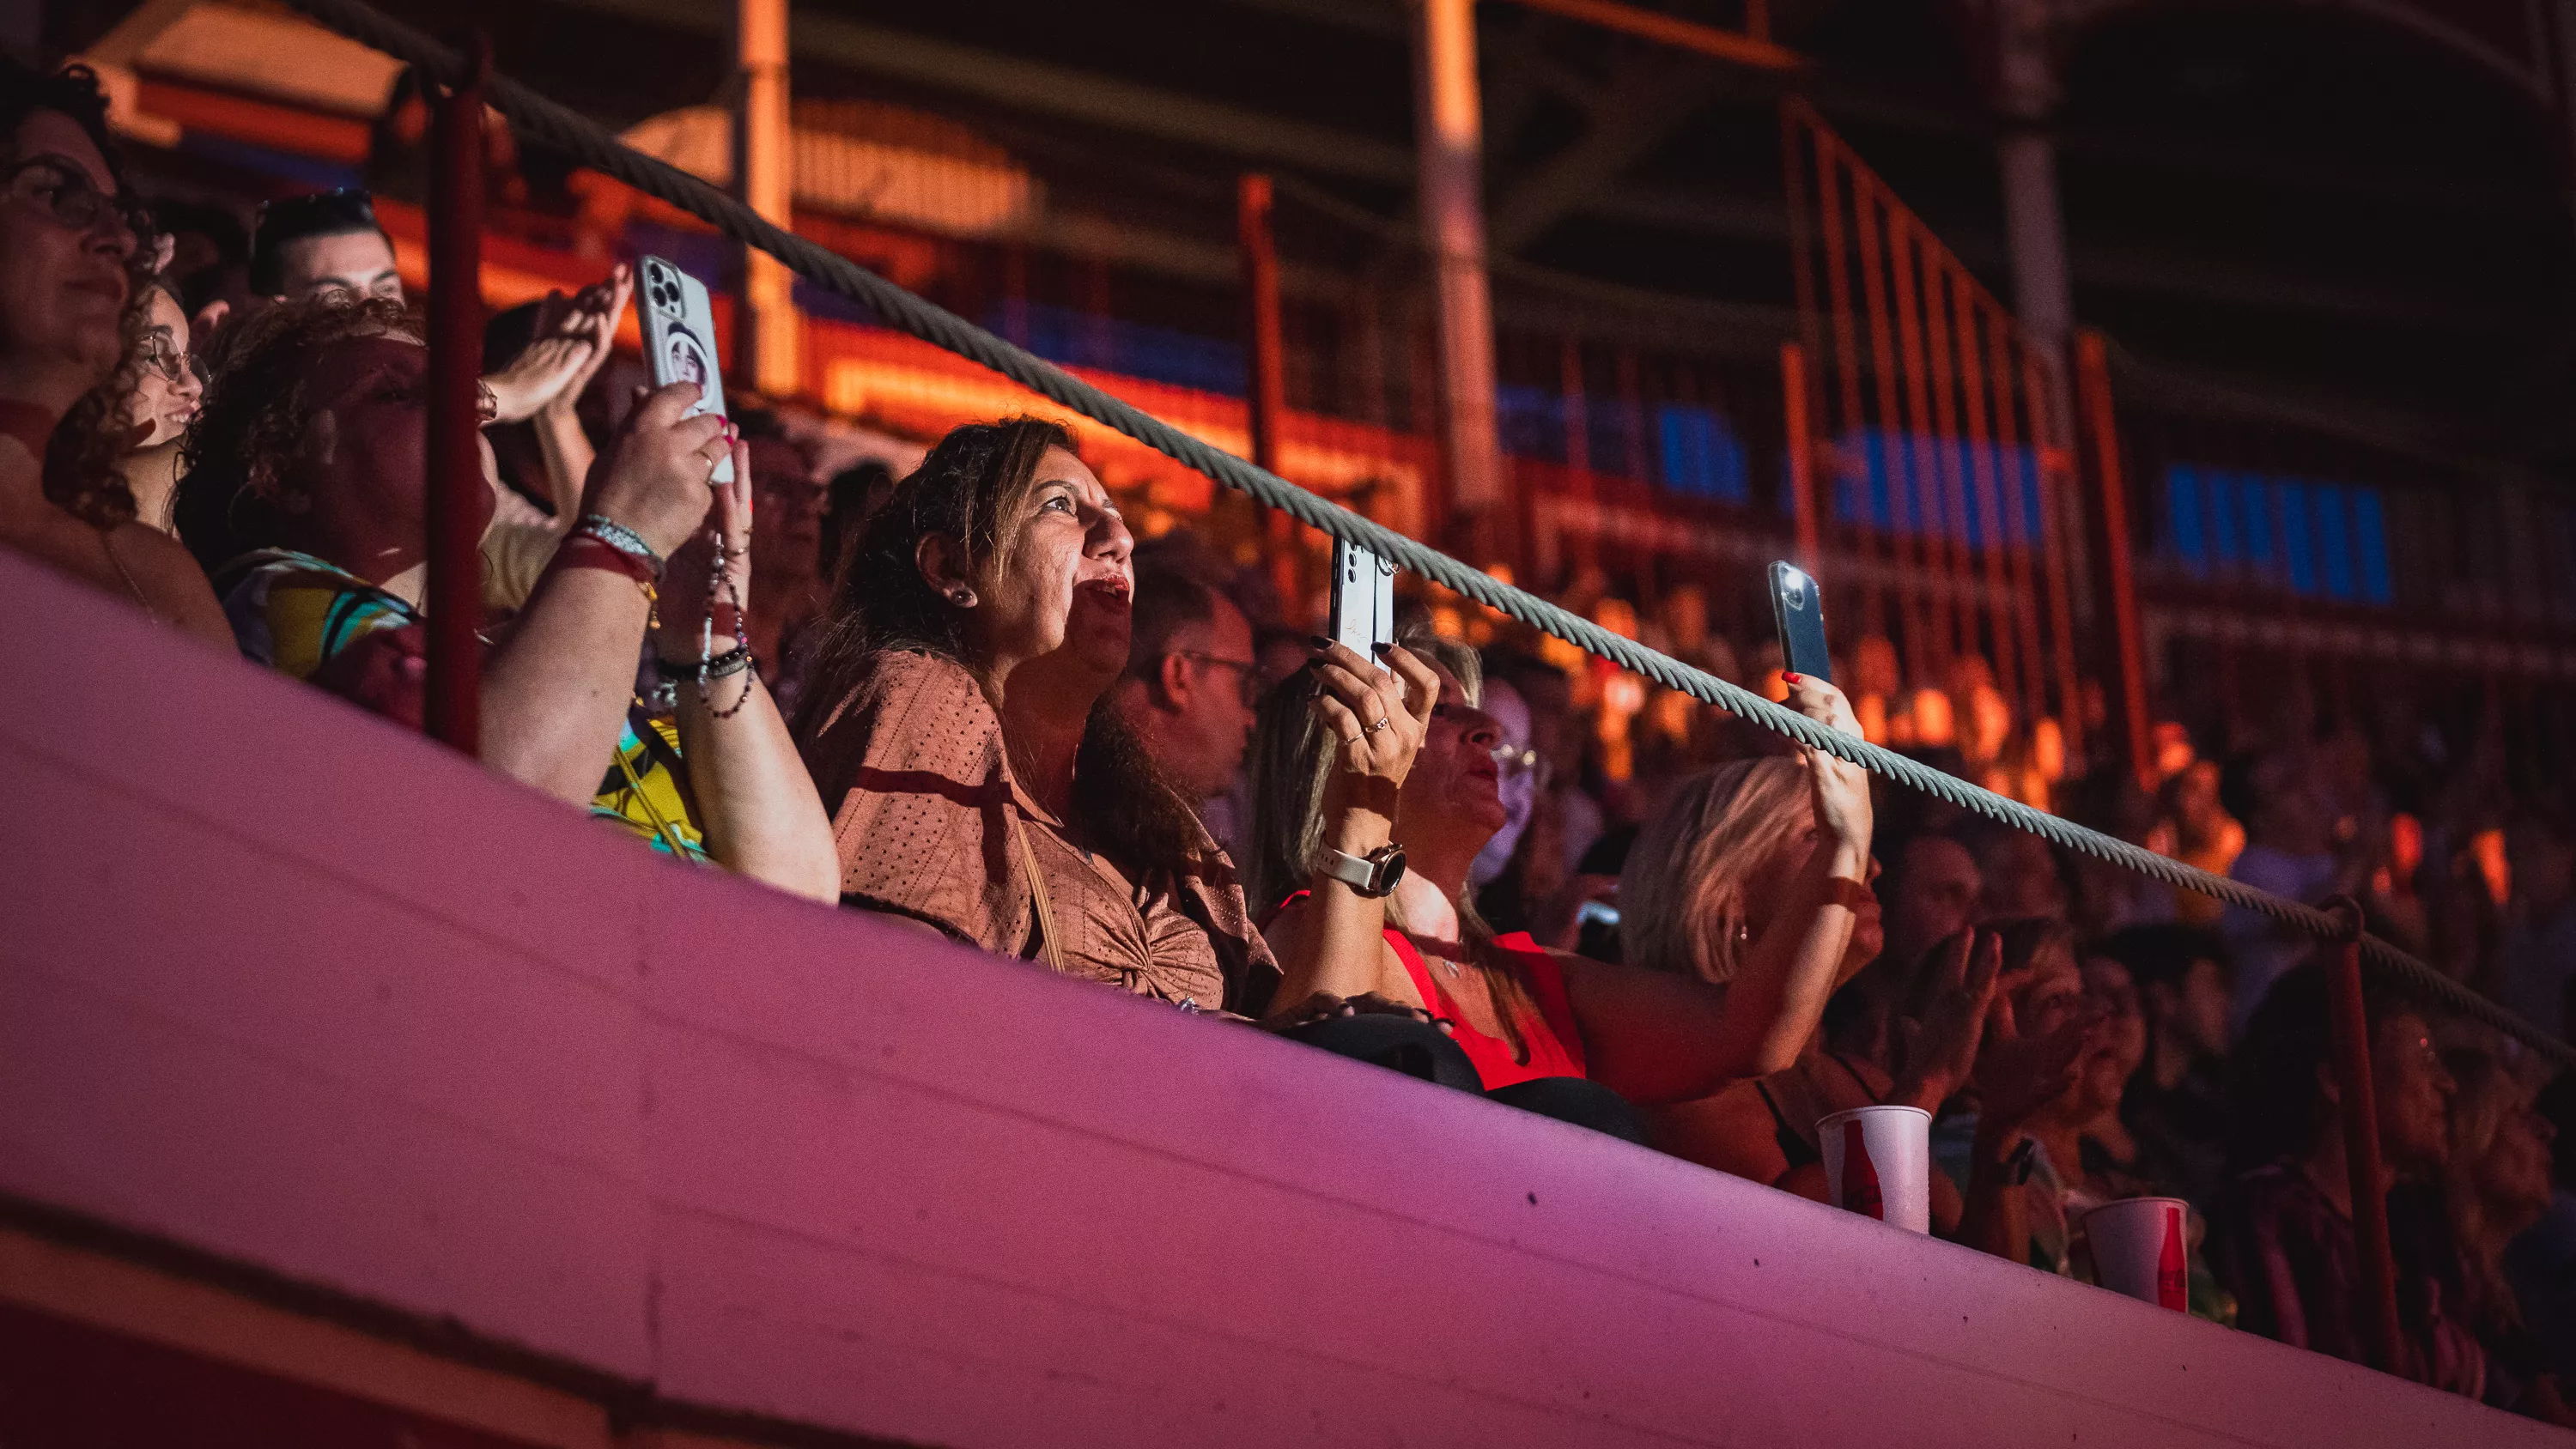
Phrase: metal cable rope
[587,143]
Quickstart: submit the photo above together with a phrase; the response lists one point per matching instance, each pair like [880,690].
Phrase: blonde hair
[2487,1093]
[1687,901]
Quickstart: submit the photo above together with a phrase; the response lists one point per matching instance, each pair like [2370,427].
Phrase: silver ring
[1382,723]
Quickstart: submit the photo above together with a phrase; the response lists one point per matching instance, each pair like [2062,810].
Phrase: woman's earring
[962,598]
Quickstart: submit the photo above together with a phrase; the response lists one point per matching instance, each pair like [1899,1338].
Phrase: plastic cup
[1878,1163]
[2141,1248]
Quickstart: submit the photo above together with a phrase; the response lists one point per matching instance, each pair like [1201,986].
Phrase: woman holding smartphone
[1550,1031]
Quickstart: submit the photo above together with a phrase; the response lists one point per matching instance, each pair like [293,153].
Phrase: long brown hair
[975,489]
[1291,763]
[1688,901]
[2487,1093]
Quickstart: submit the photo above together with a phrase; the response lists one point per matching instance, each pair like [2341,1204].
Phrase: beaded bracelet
[732,661]
[619,537]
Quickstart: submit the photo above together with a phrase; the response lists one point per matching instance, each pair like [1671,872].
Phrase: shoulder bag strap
[1048,949]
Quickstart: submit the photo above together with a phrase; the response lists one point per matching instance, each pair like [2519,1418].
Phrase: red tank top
[1555,1047]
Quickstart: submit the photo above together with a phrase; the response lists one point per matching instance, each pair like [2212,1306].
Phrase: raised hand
[653,477]
[1840,788]
[2016,1075]
[1940,1046]
[1380,720]
[691,582]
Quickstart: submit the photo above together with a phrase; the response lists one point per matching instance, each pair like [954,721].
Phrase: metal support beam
[1449,145]
[1265,350]
[767,345]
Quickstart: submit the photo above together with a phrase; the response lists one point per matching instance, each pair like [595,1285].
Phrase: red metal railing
[1935,418]
[452,710]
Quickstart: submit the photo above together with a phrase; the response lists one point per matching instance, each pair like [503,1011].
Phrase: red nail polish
[1791,678]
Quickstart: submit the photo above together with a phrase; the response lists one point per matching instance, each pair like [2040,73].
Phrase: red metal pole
[452,708]
[2056,457]
[1965,304]
[1266,393]
[1924,470]
[1945,439]
[1847,371]
[2016,540]
[1898,454]
[2119,601]
[1802,451]
[2359,1104]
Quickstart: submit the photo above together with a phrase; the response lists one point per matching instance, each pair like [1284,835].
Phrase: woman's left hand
[690,583]
[1841,789]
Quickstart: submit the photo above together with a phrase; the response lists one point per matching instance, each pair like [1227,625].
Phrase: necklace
[107,545]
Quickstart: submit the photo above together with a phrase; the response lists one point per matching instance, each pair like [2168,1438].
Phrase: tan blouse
[924,815]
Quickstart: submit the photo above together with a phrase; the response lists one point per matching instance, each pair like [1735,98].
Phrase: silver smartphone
[1798,608]
[680,341]
[1363,602]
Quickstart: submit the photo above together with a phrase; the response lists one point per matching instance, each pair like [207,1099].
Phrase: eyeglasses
[71,199]
[163,356]
[1518,762]
[1247,674]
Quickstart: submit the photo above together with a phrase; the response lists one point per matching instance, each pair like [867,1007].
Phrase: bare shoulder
[171,581]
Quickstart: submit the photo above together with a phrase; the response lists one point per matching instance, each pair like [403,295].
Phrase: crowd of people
[967,700]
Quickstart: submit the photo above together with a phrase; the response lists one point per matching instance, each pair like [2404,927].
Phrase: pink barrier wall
[289,986]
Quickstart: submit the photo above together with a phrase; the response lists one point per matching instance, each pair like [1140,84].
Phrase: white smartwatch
[1371,875]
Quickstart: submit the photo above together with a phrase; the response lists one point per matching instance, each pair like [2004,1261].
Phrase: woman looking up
[68,277]
[1369,760]
[955,725]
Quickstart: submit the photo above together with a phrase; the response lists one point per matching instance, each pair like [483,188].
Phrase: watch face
[1390,869]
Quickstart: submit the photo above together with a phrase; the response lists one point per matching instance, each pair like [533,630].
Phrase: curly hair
[257,408]
[974,484]
[80,470]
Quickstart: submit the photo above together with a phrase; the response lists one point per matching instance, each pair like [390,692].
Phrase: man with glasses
[1189,687]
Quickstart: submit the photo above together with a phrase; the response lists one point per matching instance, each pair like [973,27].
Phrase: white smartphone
[1363,602]
[680,341]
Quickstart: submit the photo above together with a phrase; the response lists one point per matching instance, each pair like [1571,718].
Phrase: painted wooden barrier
[320,1048]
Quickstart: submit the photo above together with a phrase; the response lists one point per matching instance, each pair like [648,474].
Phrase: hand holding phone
[1363,602]
[679,341]
[1798,609]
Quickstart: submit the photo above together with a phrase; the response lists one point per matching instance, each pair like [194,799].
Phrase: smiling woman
[956,726]
[69,271]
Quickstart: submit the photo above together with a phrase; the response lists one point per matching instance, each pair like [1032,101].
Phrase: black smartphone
[1363,602]
[1798,607]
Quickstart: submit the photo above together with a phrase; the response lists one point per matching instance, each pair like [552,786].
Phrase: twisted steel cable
[591,145]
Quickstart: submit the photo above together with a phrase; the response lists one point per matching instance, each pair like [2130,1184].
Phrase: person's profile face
[1455,786]
[162,404]
[63,288]
[349,265]
[1068,585]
